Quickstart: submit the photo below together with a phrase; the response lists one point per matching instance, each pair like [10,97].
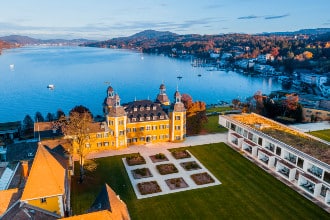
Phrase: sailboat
[12,67]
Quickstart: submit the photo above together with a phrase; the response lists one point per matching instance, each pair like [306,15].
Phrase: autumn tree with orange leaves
[196,114]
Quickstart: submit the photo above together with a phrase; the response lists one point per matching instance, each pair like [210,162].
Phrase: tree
[38,117]
[60,114]
[50,117]
[196,114]
[78,128]
[81,110]
[28,125]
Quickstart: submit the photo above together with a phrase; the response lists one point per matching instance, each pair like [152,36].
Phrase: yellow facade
[51,204]
[145,121]
[139,122]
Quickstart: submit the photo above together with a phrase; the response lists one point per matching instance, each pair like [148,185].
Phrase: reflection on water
[79,75]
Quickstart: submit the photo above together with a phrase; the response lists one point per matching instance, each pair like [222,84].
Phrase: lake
[81,76]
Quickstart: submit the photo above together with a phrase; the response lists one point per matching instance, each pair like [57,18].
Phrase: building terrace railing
[282,144]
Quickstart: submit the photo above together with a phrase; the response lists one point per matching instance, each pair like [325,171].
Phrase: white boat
[51,86]
[12,67]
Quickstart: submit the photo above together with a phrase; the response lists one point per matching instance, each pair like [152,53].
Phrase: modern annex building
[299,158]
[144,121]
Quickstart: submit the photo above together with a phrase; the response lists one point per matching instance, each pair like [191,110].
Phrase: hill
[25,40]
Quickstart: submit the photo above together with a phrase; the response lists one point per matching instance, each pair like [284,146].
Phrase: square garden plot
[148,187]
[202,178]
[135,159]
[190,165]
[165,169]
[158,158]
[141,173]
[180,154]
[176,183]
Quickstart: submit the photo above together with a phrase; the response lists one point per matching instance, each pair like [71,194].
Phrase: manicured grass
[323,134]
[212,125]
[246,192]
[218,109]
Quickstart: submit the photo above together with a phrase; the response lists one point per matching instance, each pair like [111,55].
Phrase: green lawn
[218,109]
[212,125]
[246,192]
[323,134]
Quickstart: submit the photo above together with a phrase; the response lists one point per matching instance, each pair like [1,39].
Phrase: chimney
[25,169]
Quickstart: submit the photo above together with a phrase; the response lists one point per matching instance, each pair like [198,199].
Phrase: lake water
[80,76]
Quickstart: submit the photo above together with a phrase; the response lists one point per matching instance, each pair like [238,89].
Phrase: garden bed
[141,173]
[158,158]
[202,178]
[190,165]
[180,154]
[165,169]
[176,183]
[135,159]
[148,187]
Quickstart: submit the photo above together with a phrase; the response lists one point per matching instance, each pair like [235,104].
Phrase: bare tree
[78,128]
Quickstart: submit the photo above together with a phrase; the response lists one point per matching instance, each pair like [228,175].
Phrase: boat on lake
[51,86]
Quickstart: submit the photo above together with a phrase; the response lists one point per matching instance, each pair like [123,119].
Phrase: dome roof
[110,89]
[162,86]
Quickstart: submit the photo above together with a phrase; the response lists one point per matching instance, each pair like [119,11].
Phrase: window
[106,143]
[177,127]
[227,124]
[177,117]
[121,132]
[129,140]
[233,127]
[106,134]
[141,128]
[99,144]
[278,151]
[326,177]
[87,145]
[148,127]
[154,127]
[142,138]
[300,162]
[128,130]
[177,138]
[43,200]
[111,122]
[99,135]
[121,122]
[134,129]
[245,133]
[134,140]
[260,141]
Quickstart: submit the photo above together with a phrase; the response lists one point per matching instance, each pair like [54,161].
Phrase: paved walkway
[157,147]
[307,127]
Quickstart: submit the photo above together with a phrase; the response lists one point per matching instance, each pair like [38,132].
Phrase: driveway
[150,148]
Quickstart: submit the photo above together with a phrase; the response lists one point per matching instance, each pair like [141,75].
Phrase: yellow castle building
[144,121]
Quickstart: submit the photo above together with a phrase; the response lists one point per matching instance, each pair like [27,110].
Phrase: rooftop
[46,176]
[296,139]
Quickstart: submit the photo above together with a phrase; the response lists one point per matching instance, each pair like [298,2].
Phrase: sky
[106,19]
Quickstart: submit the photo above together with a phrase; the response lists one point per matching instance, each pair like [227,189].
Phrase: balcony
[266,157]
[315,171]
[310,184]
[286,169]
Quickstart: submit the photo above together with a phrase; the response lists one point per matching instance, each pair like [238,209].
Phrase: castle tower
[162,97]
[177,119]
[109,100]
[116,120]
